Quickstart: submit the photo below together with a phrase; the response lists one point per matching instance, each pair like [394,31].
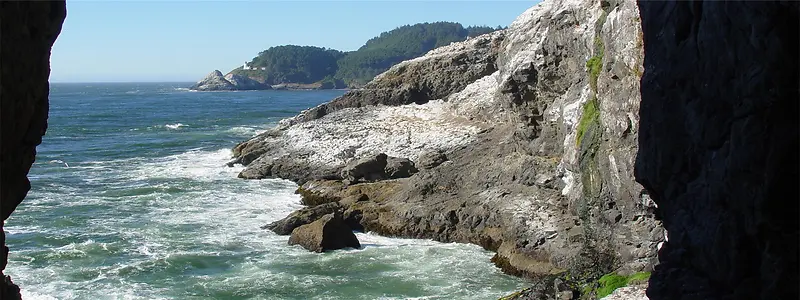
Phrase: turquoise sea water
[131,200]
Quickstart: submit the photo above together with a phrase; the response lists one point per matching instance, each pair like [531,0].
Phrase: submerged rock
[328,233]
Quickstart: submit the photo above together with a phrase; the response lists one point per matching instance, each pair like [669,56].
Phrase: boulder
[399,168]
[302,217]
[317,192]
[214,81]
[328,233]
[246,83]
[431,159]
[367,169]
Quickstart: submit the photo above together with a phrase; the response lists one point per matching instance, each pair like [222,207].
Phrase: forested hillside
[336,69]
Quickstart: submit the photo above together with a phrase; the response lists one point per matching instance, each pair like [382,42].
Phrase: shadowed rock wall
[27,32]
[718,146]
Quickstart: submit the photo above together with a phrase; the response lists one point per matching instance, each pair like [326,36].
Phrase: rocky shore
[522,141]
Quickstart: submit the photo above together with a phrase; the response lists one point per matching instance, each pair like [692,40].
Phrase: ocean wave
[246,130]
[58,161]
[200,226]
[31,295]
[175,126]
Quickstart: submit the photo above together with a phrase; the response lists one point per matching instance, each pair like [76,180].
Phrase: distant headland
[310,67]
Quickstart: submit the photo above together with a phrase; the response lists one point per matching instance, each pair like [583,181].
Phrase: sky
[182,41]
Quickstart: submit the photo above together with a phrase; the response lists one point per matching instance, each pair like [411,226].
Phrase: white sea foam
[174,126]
[215,222]
[247,130]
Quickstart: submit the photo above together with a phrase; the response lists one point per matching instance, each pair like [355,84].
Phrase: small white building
[245,66]
[263,68]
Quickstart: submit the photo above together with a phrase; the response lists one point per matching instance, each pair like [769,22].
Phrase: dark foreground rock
[29,30]
[327,233]
[718,146]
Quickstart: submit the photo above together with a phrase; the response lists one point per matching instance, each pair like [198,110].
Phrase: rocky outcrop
[245,83]
[431,159]
[327,233]
[524,140]
[302,217]
[29,30]
[397,167]
[369,168]
[718,146]
[215,81]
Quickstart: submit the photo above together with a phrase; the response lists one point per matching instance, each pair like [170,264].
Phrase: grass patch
[590,115]
[610,282]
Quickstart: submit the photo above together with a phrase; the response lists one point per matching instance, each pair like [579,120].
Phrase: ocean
[131,199]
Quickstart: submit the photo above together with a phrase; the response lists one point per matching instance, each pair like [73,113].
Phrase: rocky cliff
[215,81]
[718,146]
[524,138]
[28,32]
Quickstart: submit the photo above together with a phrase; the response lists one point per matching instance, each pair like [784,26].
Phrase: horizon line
[50,81]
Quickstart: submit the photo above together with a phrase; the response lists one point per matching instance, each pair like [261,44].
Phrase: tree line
[337,69]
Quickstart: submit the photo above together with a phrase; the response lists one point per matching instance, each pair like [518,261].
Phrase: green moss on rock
[589,117]
[610,282]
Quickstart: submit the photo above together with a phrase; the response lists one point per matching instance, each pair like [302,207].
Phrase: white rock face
[400,131]
[245,83]
[628,293]
[215,81]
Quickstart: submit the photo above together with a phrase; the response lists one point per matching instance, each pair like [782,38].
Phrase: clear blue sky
[185,40]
